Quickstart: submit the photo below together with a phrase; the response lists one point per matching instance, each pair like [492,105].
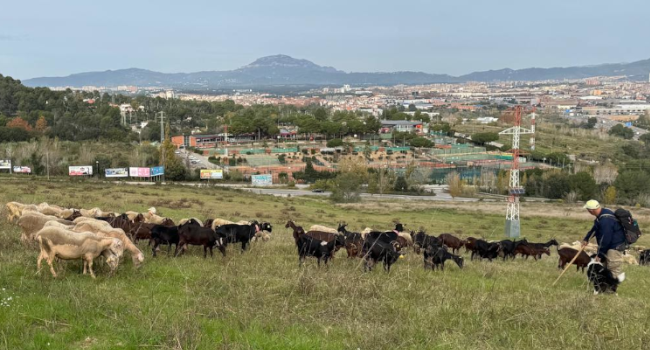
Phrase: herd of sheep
[72,234]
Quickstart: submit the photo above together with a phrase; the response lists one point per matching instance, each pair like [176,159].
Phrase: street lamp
[97,164]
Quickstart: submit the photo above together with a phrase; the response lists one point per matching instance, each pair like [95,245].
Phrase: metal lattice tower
[513,228]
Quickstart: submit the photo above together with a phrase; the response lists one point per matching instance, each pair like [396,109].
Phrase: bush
[421,142]
[335,143]
[455,184]
[347,188]
[400,184]
[621,131]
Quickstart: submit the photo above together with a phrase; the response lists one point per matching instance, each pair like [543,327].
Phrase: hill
[286,70]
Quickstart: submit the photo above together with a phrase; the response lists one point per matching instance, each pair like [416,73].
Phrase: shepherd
[610,235]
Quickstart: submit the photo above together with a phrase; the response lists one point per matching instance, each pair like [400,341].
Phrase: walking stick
[571,263]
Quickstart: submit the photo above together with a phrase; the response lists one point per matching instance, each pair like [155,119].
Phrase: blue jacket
[608,231]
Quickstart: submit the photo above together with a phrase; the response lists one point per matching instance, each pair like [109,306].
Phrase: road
[440,196]
[201,161]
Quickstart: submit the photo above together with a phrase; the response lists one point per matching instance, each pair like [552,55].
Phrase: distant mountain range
[282,70]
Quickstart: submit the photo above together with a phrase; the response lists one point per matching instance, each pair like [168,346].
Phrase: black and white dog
[602,278]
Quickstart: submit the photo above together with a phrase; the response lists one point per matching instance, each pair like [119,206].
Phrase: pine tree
[174,169]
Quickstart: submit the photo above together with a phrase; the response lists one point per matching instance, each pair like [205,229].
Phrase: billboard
[116,172]
[262,180]
[157,170]
[83,170]
[211,174]
[5,164]
[22,169]
[139,172]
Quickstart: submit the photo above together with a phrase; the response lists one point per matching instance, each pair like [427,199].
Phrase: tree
[103,161]
[621,131]
[353,165]
[412,108]
[584,185]
[630,183]
[558,158]
[444,128]
[485,137]
[400,184]
[320,114]
[347,188]
[41,124]
[174,168]
[645,138]
[335,143]
[609,197]
[19,123]
[455,184]
[421,142]
[591,122]
[557,185]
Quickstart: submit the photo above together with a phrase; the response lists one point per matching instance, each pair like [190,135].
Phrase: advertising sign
[211,174]
[5,164]
[157,170]
[139,172]
[22,169]
[262,180]
[80,170]
[117,172]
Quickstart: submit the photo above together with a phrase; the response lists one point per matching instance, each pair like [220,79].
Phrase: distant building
[636,108]
[400,125]
[198,141]
[487,120]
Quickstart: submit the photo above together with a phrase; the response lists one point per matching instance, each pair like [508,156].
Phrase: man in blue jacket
[610,236]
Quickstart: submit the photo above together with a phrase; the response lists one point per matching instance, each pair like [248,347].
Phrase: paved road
[201,161]
[440,196]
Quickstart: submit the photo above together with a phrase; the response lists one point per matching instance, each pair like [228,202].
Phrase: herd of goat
[87,234]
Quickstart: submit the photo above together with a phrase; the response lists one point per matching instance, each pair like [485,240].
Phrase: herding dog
[601,277]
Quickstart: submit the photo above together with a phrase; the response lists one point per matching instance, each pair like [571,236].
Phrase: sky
[57,38]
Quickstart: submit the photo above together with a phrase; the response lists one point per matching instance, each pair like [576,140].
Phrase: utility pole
[162,127]
[162,139]
[513,228]
[47,164]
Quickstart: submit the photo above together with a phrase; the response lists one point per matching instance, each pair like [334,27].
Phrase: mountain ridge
[286,70]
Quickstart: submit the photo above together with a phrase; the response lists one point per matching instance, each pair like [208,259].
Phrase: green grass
[262,300]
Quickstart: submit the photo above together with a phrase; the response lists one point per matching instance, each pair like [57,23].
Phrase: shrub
[335,143]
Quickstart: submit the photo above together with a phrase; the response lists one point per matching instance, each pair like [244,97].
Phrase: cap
[591,205]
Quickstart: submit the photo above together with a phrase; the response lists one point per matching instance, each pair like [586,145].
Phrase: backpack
[630,226]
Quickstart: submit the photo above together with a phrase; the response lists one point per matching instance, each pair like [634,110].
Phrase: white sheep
[56,242]
[32,222]
[103,231]
[15,210]
[322,228]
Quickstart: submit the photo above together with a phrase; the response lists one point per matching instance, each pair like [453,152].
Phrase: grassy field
[262,300]
[558,137]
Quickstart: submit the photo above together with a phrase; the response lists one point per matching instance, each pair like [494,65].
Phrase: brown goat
[567,254]
[451,241]
[526,251]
